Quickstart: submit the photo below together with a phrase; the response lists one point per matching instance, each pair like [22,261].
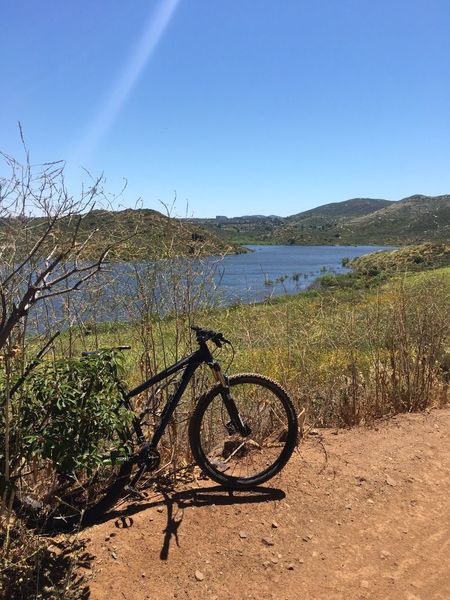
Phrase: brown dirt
[360,514]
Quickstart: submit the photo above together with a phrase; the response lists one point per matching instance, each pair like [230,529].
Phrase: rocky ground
[363,513]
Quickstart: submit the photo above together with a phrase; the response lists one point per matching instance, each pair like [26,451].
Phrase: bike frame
[190,364]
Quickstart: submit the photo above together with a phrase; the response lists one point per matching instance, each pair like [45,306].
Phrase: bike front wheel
[243,461]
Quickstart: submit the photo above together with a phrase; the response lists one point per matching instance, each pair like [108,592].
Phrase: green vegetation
[131,234]
[65,412]
[408,258]
[413,220]
[350,353]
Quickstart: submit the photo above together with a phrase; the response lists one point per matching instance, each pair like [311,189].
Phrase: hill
[325,224]
[147,234]
[134,235]
[413,220]
[408,258]
[354,207]
[248,229]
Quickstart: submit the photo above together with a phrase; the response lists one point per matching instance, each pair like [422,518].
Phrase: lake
[265,272]
[269,271]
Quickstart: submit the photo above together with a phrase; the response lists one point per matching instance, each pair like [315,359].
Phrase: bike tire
[252,393]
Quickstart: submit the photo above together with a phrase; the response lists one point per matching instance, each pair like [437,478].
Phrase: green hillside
[133,234]
[409,258]
[413,220]
[326,224]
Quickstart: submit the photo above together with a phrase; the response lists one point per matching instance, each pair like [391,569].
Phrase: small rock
[369,500]
[114,555]
[107,538]
[242,535]
[160,509]
[364,584]
[274,524]
[384,554]
[348,506]
[290,567]
[143,575]
[390,481]
[313,432]
[301,561]
[274,560]
[268,541]
[112,534]
[199,576]
[266,564]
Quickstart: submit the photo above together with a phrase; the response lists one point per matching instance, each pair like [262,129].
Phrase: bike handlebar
[206,335]
[203,336]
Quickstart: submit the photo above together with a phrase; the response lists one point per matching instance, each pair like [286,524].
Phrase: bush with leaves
[68,411]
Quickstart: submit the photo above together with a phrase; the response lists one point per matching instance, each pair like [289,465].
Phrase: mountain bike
[241,432]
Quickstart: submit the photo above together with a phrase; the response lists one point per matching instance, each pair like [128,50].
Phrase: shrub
[65,412]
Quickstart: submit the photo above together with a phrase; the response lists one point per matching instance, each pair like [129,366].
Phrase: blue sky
[238,106]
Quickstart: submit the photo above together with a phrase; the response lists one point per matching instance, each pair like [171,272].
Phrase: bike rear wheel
[53,501]
[243,461]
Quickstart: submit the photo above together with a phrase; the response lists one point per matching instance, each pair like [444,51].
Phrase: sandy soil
[360,514]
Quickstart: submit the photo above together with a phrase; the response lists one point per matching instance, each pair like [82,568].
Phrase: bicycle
[242,432]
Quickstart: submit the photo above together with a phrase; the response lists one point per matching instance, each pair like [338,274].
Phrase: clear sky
[238,106]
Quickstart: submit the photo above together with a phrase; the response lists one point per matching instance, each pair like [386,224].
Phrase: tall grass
[352,356]
[349,355]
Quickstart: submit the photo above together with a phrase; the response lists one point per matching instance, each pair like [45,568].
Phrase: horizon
[232,110]
[235,216]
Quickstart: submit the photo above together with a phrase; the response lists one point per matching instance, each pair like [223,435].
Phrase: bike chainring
[149,457]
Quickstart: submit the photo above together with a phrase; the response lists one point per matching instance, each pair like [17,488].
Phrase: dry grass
[39,568]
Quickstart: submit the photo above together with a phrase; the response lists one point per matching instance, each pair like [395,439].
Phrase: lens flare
[153,32]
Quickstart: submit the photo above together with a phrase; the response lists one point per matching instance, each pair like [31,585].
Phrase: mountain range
[412,220]
[147,234]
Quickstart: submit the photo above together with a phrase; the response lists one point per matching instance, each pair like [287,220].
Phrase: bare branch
[32,252]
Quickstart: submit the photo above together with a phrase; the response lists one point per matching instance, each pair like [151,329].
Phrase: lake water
[265,272]
[270,271]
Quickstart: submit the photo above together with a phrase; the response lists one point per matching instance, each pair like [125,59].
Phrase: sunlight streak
[125,83]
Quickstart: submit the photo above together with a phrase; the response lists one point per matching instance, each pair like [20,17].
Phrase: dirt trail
[360,514]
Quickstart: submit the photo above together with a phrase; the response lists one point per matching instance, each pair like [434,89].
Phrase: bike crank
[148,459]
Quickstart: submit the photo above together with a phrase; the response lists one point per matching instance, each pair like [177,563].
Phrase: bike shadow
[175,502]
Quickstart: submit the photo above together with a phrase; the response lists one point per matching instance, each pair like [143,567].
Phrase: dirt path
[361,514]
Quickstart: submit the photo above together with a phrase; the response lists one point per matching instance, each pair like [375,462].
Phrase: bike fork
[236,423]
